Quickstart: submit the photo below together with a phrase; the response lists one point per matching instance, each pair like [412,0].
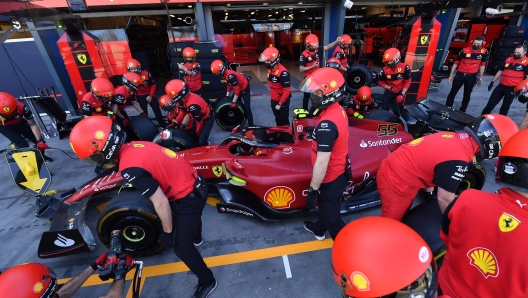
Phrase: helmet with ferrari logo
[512,164]
[391,57]
[8,105]
[218,67]
[381,257]
[334,63]
[364,96]
[102,89]
[521,91]
[312,42]
[270,57]
[189,55]
[166,103]
[177,90]
[345,41]
[132,80]
[97,140]
[27,281]
[490,132]
[133,65]
[325,85]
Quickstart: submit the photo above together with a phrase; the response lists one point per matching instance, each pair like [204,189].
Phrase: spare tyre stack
[502,48]
[213,88]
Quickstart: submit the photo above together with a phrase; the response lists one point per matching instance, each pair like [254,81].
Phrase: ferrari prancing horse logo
[6,109]
[217,170]
[82,58]
[424,39]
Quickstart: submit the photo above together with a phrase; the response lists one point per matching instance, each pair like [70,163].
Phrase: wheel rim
[229,117]
[134,233]
[357,79]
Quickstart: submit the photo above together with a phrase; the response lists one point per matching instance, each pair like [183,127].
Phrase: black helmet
[512,165]
[490,132]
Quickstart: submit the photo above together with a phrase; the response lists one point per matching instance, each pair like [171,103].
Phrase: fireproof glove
[144,114]
[232,106]
[310,200]
[490,86]
[166,239]
[123,266]
[126,122]
[99,261]
[111,115]
[42,146]
[400,98]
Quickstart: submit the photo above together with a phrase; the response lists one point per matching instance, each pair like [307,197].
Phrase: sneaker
[203,291]
[198,242]
[310,227]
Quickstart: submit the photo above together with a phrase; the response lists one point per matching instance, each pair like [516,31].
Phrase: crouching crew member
[361,103]
[514,70]
[18,124]
[175,188]
[238,84]
[125,93]
[413,166]
[395,78]
[331,168]
[173,109]
[279,83]
[193,105]
[100,100]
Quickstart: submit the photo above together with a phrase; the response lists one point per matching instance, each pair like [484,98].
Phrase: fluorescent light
[269,16]
[264,3]
[252,12]
[276,12]
[227,13]
[190,6]
[303,10]
[300,3]
[172,15]
[291,7]
[180,19]
[228,4]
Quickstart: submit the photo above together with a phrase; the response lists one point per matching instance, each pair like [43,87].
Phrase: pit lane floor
[249,258]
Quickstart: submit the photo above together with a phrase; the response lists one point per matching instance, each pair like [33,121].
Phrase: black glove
[490,86]
[98,169]
[125,264]
[312,196]
[166,239]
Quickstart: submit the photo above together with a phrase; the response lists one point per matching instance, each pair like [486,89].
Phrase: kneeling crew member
[485,233]
[161,175]
[414,165]
[172,109]
[514,70]
[361,103]
[331,170]
[127,92]
[100,100]
[395,78]
[279,83]
[193,105]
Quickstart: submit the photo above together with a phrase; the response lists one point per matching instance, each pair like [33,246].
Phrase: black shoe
[198,241]
[203,291]
[310,227]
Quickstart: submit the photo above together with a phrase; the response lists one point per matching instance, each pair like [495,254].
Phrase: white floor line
[287,266]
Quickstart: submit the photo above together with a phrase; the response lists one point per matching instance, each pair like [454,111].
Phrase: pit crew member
[395,78]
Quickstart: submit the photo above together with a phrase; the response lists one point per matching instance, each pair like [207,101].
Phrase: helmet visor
[96,159]
[313,84]
[425,286]
[169,106]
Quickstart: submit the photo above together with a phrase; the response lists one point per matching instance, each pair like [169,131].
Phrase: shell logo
[416,142]
[279,197]
[6,109]
[37,288]
[360,281]
[99,135]
[170,153]
[484,260]
[333,84]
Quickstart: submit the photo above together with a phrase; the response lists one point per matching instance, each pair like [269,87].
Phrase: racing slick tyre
[228,118]
[512,31]
[385,116]
[207,50]
[136,217]
[358,76]
[143,128]
[508,43]
[175,139]
[175,48]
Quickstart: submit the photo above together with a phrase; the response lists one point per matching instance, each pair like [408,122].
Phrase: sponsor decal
[37,288]
[423,255]
[324,125]
[388,76]
[416,142]
[98,109]
[468,55]
[299,128]
[385,130]
[360,281]
[508,222]
[479,57]
[287,150]
[520,204]
[399,69]
[424,39]
[237,211]
[462,169]
[509,168]
[463,136]
[169,153]
[484,260]
[70,223]
[217,171]
[63,241]
[447,136]
[490,117]
[6,109]
[507,64]
[82,58]
[279,197]
[139,146]
[202,167]
[487,133]
[349,189]
[380,142]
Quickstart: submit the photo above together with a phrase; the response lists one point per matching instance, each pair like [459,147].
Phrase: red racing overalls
[341,54]
[235,81]
[398,78]
[92,106]
[194,83]
[198,110]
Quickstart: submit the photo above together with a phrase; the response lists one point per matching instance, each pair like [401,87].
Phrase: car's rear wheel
[143,129]
[135,216]
[175,139]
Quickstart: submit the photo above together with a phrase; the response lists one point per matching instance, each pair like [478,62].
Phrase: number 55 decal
[387,130]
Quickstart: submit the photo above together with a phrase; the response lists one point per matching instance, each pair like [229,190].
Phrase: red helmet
[391,57]
[364,95]
[218,67]
[490,132]
[312,42]
[325,84]
[8,105]
[334,63]
[346,41]
[133,65]
[132,80]
[97,140]
[27,281]
[176,90]
[166,103]
[271,57]
[189,55]
[512,164]
[377,256]
[521,91]
[102,89]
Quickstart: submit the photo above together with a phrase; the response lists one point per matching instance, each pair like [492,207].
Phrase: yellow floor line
[212,201]
[222,260]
